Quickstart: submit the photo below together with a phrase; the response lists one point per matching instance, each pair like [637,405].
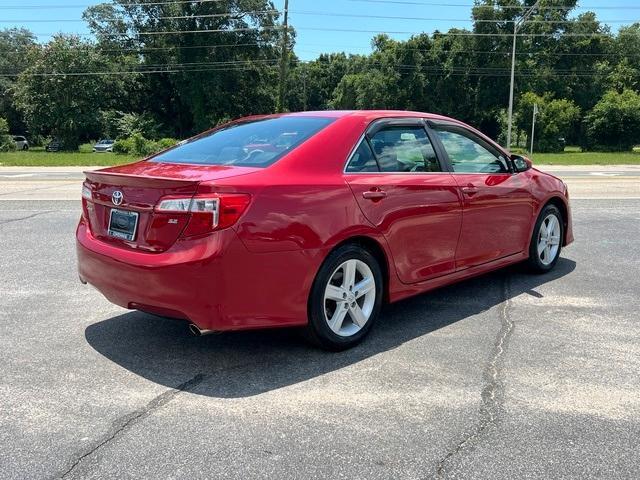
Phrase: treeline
[146,72]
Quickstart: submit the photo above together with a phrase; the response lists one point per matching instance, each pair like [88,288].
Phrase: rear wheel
[546,242]
[345,298]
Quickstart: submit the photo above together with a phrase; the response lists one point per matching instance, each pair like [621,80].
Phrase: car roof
[368,114]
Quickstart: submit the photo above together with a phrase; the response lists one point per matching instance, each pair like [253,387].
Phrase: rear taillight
[208,212]
[87,197]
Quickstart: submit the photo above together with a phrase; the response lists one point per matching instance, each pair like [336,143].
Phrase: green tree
[557,118]
[614,123]
[15,45]
[63,90]
[226,69]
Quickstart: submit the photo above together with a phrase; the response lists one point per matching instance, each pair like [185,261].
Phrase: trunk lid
[141,185]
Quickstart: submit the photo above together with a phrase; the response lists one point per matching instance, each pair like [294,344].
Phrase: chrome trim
[395,173]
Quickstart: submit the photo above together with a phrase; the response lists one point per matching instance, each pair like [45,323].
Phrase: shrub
[165,143]
[557,118]
[6,141]
[122,146]
[614,123]
[140,146]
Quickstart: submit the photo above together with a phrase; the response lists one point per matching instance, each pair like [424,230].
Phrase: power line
[401,2]
[143,4]
[334,14]
[348,30]
[503,7]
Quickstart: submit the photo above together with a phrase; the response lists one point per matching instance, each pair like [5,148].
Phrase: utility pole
[516,25]
[533,127]
[304,88]
[284,59]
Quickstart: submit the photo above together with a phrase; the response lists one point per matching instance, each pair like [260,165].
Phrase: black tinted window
[404,149]
[363,160]
[254,144]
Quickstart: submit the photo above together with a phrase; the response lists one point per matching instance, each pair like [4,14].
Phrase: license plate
[123,224]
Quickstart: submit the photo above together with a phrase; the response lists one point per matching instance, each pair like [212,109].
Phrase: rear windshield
[253,144]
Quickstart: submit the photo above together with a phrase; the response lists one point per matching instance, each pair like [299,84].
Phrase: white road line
[17,175]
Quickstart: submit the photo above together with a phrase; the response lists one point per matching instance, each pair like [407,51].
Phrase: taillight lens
[86,192]
[87,197]
[208,212]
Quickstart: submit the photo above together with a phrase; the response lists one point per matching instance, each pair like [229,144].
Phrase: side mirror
[521,164]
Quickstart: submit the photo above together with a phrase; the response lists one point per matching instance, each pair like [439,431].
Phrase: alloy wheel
[549,239]
[349,298]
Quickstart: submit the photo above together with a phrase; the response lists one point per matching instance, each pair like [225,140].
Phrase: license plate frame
[127,234]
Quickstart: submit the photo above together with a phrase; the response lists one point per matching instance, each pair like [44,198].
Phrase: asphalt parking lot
[506,376]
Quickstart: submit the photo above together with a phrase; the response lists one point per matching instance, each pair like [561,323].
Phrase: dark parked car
[54,146]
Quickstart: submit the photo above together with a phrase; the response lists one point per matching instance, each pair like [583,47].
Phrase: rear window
[253,144]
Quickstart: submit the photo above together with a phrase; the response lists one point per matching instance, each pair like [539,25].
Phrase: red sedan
[238,229]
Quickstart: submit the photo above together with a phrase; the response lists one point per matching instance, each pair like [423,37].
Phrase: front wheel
[345,298]
[546,242]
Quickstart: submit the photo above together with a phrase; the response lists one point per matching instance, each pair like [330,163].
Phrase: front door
[497,208]
[400,185]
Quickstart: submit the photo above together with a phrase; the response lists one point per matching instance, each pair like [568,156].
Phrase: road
[62,183]
[506,376]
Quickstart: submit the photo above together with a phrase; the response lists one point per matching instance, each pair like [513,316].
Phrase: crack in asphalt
[126,422]
[122,424]
[25,218]
[492,393]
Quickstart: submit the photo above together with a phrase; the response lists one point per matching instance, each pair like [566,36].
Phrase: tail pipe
[199,332]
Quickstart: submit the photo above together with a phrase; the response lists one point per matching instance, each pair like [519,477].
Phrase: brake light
[208,212]
[87,205]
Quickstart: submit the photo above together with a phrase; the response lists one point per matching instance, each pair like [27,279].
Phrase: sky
[45,17]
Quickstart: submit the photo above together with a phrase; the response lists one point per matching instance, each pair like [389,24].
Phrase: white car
[104,145]
[21,142]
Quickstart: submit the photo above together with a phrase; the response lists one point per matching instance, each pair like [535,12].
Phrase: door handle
[470,190]
[374,194]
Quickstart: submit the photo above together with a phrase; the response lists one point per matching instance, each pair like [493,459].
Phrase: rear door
[399,183]
[497,202]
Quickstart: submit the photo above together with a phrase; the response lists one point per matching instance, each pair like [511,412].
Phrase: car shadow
[241,364]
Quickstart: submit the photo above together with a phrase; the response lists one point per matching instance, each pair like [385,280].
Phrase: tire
[339,316]
[25,147]
[544,251]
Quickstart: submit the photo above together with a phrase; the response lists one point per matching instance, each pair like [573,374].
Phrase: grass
[37,157]
[572,157]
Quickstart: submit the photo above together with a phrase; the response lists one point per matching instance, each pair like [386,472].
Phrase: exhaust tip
[198,332]
[195,330]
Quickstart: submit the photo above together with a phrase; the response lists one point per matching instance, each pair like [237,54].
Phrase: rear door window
[258,143]
[363,160]
[404,149]
[468,154]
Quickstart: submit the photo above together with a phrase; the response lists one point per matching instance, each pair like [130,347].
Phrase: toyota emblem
[116,197]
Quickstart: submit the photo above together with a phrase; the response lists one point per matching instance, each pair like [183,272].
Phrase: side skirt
[402,291]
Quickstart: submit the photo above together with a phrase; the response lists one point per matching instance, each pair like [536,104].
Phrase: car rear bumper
[214,282]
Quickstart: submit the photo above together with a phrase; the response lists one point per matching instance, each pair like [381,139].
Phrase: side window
[469,156]
[404,149]
[363,160]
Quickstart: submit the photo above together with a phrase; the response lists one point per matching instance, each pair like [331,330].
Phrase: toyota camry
[314,220]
